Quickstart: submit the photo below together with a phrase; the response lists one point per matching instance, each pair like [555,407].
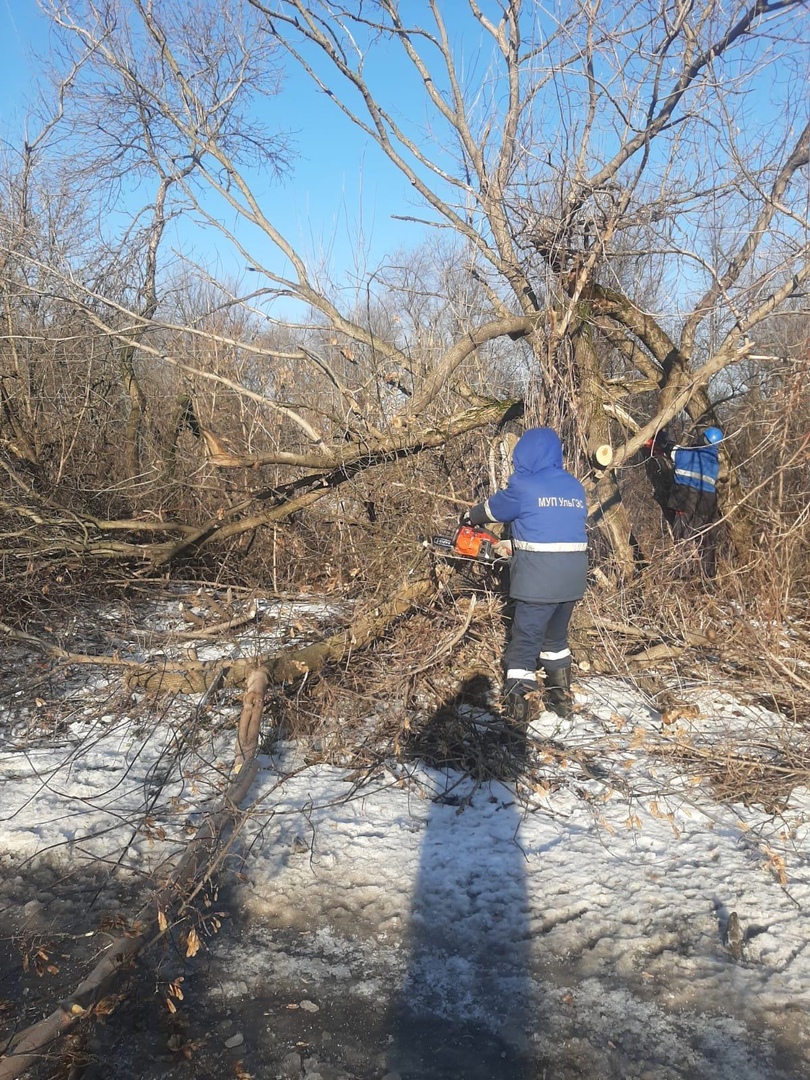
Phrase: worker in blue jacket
[690,503]
[546,509]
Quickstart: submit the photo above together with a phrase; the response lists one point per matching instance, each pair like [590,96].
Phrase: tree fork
[676,381]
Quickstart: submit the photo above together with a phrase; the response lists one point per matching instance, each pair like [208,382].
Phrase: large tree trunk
[291,666]
[605,498]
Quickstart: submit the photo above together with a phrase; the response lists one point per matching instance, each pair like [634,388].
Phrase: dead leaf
[679,712]
[193,943]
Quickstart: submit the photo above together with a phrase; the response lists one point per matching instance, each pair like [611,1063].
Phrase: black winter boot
[557,692]
[516,703]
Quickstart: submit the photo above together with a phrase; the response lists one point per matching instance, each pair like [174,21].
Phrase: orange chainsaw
[469,542]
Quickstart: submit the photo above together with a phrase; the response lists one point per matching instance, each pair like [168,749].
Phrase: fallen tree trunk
[594,655]
[40,530]
[691,640]
[195,676]
[197,865]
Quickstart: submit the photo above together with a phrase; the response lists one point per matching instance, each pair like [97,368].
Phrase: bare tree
[595,136]
[622,217]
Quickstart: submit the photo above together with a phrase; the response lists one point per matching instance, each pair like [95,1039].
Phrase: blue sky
[338,210]
[338,203]
[22,28]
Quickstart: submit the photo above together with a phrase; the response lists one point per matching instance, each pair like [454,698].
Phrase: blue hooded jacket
[547,510]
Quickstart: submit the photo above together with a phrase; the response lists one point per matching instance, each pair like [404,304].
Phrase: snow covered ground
[599,915]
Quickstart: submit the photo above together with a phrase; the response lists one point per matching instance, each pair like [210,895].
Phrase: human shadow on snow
[464,1006]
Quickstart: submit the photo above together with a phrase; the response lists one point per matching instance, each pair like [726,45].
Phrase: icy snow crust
[582,920]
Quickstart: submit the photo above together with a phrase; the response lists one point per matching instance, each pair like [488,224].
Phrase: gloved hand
[660,446]
[464,519]
[664,443]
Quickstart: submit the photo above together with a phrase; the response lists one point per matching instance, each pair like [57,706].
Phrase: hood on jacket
[538,448]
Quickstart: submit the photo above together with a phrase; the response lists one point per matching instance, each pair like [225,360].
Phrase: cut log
[603,455]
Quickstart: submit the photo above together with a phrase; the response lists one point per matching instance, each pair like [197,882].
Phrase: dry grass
[425,691]
[765,777]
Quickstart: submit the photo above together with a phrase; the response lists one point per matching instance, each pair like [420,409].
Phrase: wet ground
[323,970]
[308,1003]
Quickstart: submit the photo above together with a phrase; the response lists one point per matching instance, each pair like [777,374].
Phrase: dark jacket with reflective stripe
[546,508]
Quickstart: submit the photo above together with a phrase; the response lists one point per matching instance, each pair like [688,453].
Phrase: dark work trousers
[539,636]
[696,522]
[703,535]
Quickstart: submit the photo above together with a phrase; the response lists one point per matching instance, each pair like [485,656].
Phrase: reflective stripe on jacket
[697,467]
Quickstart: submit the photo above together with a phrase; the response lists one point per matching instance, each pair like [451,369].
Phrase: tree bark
[607,509]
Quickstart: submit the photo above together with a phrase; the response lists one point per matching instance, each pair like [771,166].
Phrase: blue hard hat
[713,435]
